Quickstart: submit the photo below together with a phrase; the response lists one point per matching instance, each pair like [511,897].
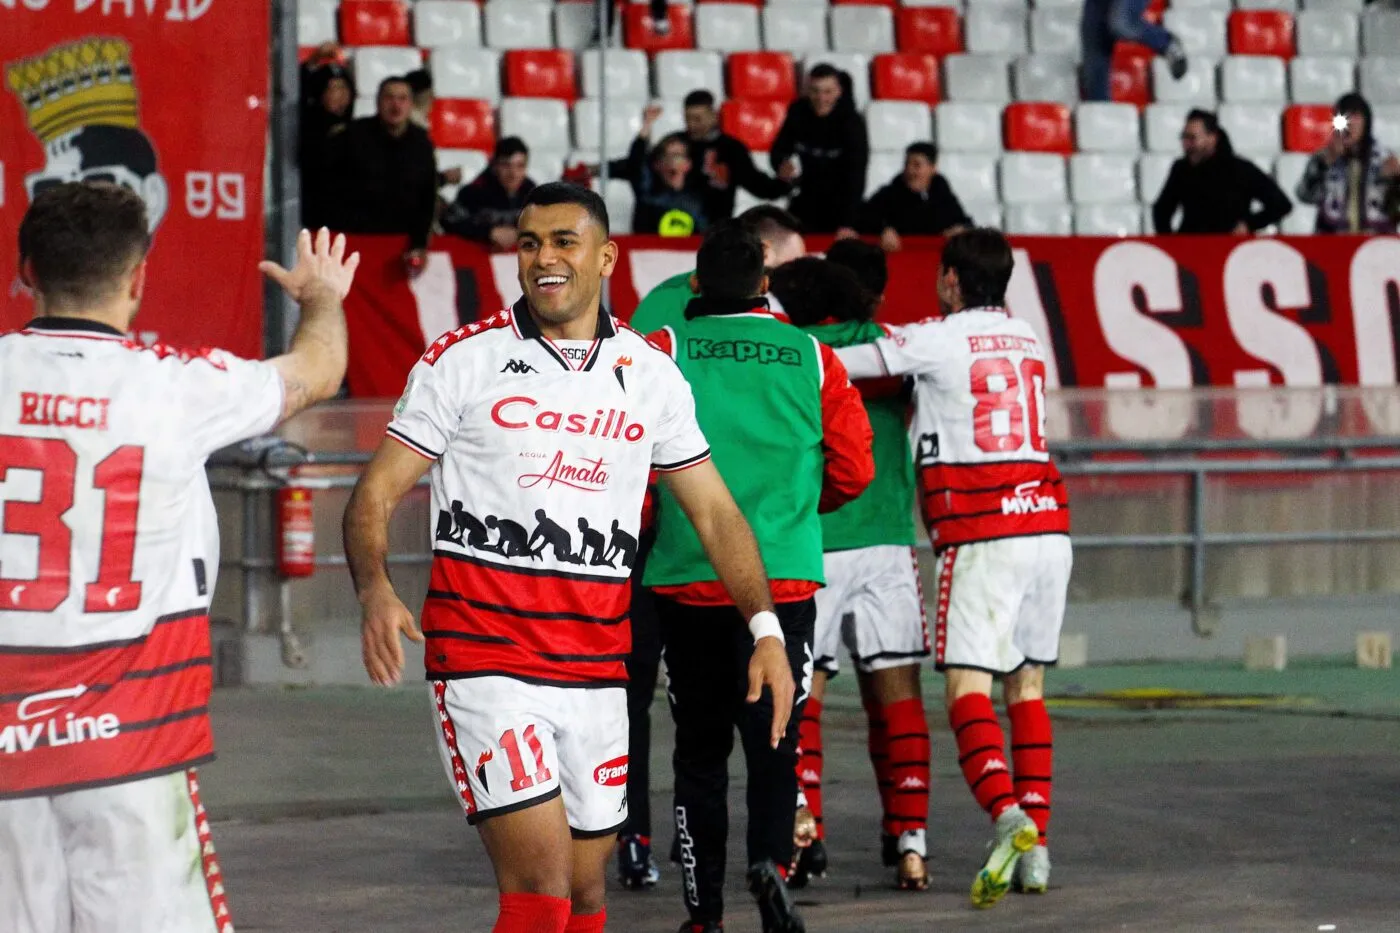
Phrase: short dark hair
[927,150]
[769,220]
[729,264]
[80,238]
[701,98]
[392,79]
[419,80]
[982,259]
[813,290]
[564,192]
[508,146]
[824,70]
[669,139]
[1206,118]
[866,260]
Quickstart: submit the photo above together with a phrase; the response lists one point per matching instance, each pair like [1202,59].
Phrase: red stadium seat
[755,123]
[463,124]
[1261,32]
[374,22]
[1131,74]
[541,73]
[640,33]
[1307,127]
[935,29]
[1037,126]
[762,76]
[907,76]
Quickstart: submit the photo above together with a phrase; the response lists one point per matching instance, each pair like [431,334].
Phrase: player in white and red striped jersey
[998,518]
[108,554]
[540,426]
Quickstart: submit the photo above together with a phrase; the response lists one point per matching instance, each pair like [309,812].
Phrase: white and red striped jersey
[979,424]
[109,549]
[542,452]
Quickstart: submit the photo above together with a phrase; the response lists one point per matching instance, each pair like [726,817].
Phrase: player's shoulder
[650,347]
[476,337]
[178,356]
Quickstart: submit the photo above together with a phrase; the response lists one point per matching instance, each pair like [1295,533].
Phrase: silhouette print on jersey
[462,527]
[513,541]
[549,533]
[621,543]
[593,538]
[447,528]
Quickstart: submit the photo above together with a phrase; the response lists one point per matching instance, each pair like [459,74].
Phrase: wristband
[765,624]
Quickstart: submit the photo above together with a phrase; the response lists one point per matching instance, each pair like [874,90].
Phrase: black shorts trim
[597,833]
[1039,663]
[527,679]
[480,815]
[56,789]
[888,655]
[974,667]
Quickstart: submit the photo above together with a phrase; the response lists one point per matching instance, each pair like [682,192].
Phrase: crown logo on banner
[86,83]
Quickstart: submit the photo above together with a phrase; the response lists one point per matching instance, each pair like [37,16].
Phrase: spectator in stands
[1353,180]
[421,84]
[384,174]
[1105,23]
[721,164]
[823,148]
[1215,189]
[486,210]
[327,99]
[670,200]
[916,202]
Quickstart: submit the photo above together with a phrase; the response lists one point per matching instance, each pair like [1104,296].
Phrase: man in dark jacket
[327,98]
[826,133]
[916,202]
[486,210]
[1215,189]
[384,173]
[721,164]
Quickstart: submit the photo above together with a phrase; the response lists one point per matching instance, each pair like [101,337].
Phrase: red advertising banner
[167,97]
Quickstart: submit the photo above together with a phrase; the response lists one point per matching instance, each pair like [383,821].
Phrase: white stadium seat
[973,176]
[1162,125]
[441,23]
[1122,219]
[1102,177]
[968,126]
[374,63]
[620,200]
[672,119]
[1054,33]
[680,71]
[1253,78]
[519,24]
[1200,5]
[1256,127]
[316,22]
[1153,169]
[470,161]
[996,28]
[547,164]
[1301,221]
[894,124]
[727,27]
[623,123]
[1380,32]
[1326,32]
[1287,6]
[1196,87]
[1201,31]
[1387,131]
[977,78]
[628,73]
[882,167]
[1046,77]
[1033,178]
[1107,127]
[468,73]
[861,28]
[1048,219]
[1350,6]
[1379,80]
[364,107]
[983,213]
[1320,80]
[791,28]
[1288,169]
[541,122]
[574,25]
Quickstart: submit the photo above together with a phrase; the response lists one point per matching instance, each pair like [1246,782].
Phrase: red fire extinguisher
[296,531]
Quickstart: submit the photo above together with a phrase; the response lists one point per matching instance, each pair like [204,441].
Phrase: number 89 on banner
[222,195]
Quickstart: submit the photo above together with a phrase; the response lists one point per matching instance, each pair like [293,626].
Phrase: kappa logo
[1032,797]
[811,777]
[742,351]
[912,783]
[996,764]
[519,367]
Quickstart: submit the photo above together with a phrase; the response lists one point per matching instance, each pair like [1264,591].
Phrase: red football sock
[981,752]
[809,763]
[532,913]
[878,742]
[587,923]
[1032,756]
[909,764]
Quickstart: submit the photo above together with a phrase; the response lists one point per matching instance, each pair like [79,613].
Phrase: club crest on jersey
[481,762]
[521,413]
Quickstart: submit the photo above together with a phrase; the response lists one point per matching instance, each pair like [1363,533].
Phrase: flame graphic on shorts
[481,769]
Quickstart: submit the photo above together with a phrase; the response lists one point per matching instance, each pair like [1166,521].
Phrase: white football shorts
[508,745]
[873,604]
[1000,604]
[127,858]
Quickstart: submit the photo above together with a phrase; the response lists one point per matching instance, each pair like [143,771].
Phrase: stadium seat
[743,200]
[1324,32]
[446,23]
[1162,125]
[762,75]
[883,166]
[1197,87]
[640,31]
[574,24]
[1261,32]
[1051,219]
[1106,127]
[862,28]
[1307,127]
[755,123]
[894,124]
[996,28]
[973,176]
[626,72]
[1320,80]
[1130,74]
[977,78]
[727,27]
[1246,78]
[1301,221]
[1254,126]
[672,119]
[1287,6]
[463,124]
[984,213]
[541,122]
[1054,33]
[623,123]
[621,201]
[374,63]
[968,127]
[1121,219]
[1289,168]
[1045,77]
[855,64]
[519,24]
[467,72]
[933,29]
[1387,128]
[1380,32]
[364,107]
[374,22]
[1039,126]
[794,28]
[316,23]
[1153,169]
[1349,6]
[540,73]
[1201,31]
[1033,178]
[547,164]
[1201,5]
[908,76]
[1379,80]
[472,162]
[680,71]
[1103,177]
